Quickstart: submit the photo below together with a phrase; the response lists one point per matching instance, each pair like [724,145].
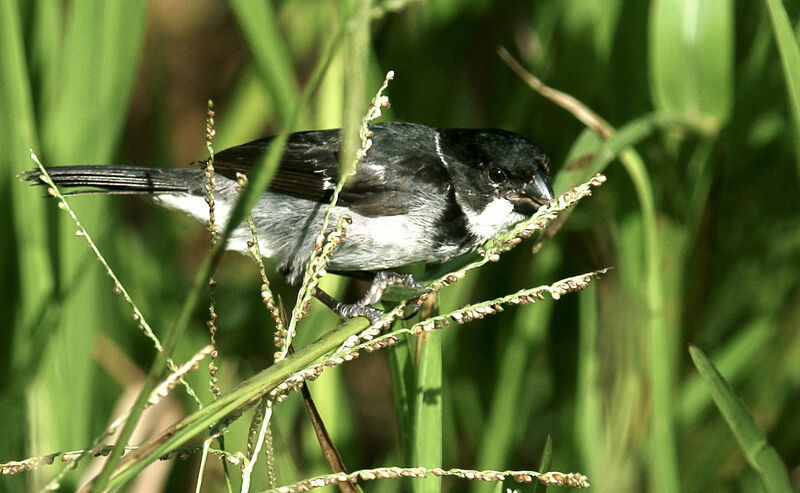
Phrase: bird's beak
[534,195]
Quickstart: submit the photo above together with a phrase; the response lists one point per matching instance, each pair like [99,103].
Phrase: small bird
[420,194]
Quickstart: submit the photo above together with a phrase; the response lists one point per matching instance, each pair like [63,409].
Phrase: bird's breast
[385,242]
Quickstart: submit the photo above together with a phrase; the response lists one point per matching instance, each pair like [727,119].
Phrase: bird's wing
[388,184]
[391,179]
[308,169]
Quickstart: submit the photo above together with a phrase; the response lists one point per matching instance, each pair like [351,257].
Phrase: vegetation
[690,108]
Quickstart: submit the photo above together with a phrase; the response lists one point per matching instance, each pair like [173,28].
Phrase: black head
[499,177]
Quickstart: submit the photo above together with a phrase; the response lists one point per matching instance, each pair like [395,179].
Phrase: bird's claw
[346,312]
[364,307]
[382,281]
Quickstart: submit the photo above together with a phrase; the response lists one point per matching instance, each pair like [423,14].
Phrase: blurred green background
[705,239]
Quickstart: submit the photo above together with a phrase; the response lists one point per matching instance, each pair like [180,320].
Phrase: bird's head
[499,177]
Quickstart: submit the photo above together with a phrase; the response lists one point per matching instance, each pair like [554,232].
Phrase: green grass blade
[94,79]
[589,416]
[356,50]
[86,85]
[761,456]
[591,155]
[27,265]
[576,167]
[741,352]
[45,45]
[662,336]
[545,463]
[270,54]
[248,392]
[691,54]
[790,58]
[427,438]
[249,107]
[18,135]
[403,373]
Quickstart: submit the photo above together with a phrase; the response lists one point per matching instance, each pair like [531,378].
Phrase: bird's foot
[346,311]
[382,281]
[363,307]
[354,310]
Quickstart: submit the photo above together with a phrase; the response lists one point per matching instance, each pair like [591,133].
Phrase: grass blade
[17,135]
[589,405]
[620,143]
[356,51]
[545,463]
[86,88]
[761,456]
[790,58]
[270,54]
[28,263]
[691,60]
[427,438]
[403,373]
[247,392]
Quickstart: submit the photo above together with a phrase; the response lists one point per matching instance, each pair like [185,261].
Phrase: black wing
[308,169]
[400,168]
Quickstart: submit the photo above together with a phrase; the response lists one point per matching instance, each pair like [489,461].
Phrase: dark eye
[497,175]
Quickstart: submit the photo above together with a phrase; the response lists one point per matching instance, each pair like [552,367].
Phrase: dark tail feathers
[117,179]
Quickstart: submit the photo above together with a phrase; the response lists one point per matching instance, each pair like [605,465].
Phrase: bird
[420,194]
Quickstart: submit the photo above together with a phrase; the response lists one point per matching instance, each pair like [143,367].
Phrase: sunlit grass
[708,203]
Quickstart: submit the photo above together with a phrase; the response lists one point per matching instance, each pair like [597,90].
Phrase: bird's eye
[497,175]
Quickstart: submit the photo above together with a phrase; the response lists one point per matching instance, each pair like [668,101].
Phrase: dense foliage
[701,223]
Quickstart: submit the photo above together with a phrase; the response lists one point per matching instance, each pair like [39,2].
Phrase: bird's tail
[117,179]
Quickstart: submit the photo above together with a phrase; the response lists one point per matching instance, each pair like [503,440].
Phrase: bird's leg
[363,307]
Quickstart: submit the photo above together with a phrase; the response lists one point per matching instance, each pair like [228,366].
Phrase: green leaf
[27,264]
[427,439]
[404,377]
[545,463]
[18,135]
[761,456]
[589,401]
[248,392]
[356,51]
[790,58]
[270,53]
[86,87]
[691,59]
[83,117]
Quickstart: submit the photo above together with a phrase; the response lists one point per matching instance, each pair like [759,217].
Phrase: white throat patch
[438,142]
[498,215]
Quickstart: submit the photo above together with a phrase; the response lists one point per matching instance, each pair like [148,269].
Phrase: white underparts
[194,206]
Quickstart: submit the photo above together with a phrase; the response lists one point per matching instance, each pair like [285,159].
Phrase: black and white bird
[420,194]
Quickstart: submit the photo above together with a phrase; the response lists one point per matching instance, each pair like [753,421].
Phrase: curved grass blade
[761,456]
[249,391]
